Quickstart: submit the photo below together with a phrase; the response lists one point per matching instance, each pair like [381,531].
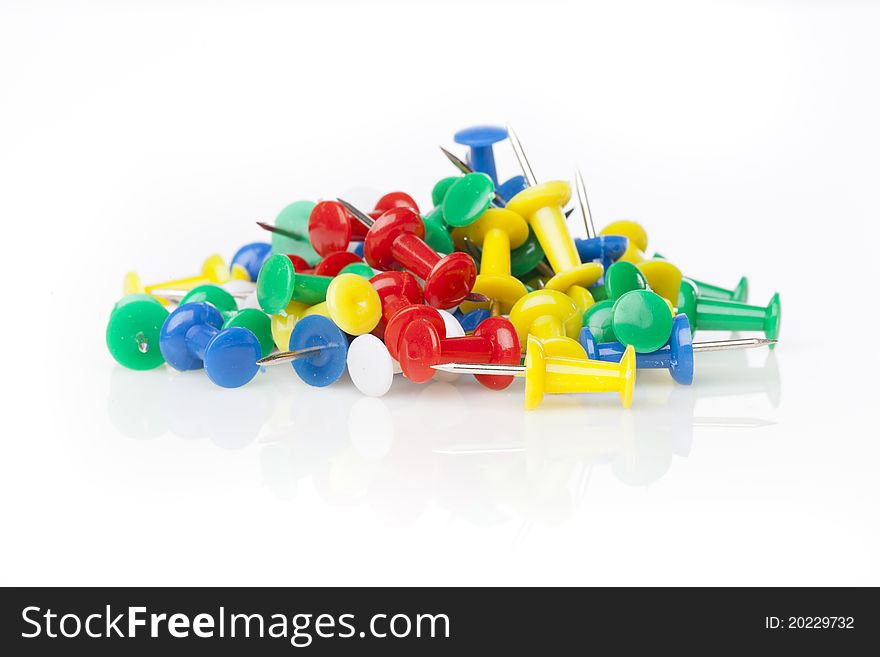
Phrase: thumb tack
[317,351]
[133,331]
[720,315]
[192,337]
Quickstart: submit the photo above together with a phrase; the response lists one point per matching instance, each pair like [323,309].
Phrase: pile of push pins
[489,282]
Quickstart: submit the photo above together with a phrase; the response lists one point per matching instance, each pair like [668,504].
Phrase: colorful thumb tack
[251,257]
[546,314]
[548,374]
[331,228]
[353,304]
[292,236]
[480,140]
[677,355]
[192,337]
[641,319]
[255,321]
[496,231]
[494,341]
[739,293]
[370,366]
[317,351]
[133,332]
[396,240]
[214,270]
[721,315]
[279,283]
[467,199]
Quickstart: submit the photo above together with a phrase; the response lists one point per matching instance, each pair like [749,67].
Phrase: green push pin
[436,232]
[707,290]
[722,315]
[621,277]
[467,199]
[278,284]
[643,319]
[528,257]
[256,321]
[292,230]
[362,269]
[133,331]
[598,320]
[438,193]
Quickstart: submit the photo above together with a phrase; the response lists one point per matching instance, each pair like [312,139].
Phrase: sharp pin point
[364,218]
[521,157]
[281,231]
[581,190]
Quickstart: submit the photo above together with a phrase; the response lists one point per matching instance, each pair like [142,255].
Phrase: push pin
[335,262]
[133,331]
[471,320]
[549,374]
[605,249]
[193,337]
[548,315]
[494,341]
[677,355]
[332,228]
[479,139]
[360,268]
[214,270]
[256,321]
[663,277]
[370,365]
[467,199]
[279,283]
[541,205]
[739,293]
[497,231]
[641,319]
[396,239]
[290,232]
[720,315]
[317,351]
[251,257]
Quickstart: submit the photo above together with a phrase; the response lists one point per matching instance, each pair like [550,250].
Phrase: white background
[743,136]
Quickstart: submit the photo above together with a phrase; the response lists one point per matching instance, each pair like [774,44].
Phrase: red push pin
[396,239]
[494,341]
[402,303]
[332,227]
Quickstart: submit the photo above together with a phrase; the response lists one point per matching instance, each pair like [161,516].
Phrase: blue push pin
[677,355]
[482,158]
[317,351]
[470,321]
[605,249]
[251,257]
[191,338]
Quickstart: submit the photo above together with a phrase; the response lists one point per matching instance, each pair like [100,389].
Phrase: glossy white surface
[744,137]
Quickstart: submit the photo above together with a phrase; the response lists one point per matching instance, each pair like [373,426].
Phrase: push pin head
[317,351]
[133,332]
[641,319]
[598,319]
[332,228]
[251,257]
[467,199]
[395,200]
[294,219]
[335,262]
[545,314]
[480,140]
[370,366]
[192,337]
[278,284]
[353,304]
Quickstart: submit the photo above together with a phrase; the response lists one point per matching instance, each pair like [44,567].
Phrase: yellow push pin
[541,205]
[214,270]
[546,314]
[663,277]
[283,323]
[497,232]
[546,373]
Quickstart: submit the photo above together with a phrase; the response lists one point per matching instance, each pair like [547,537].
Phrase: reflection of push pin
[482,157]
[193,337]
[541,205]
[720,315]
[494,341]
[497,232]
[548,374]
[396,239]
[605,249]
[317,351]
[677,355]
[133,332]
